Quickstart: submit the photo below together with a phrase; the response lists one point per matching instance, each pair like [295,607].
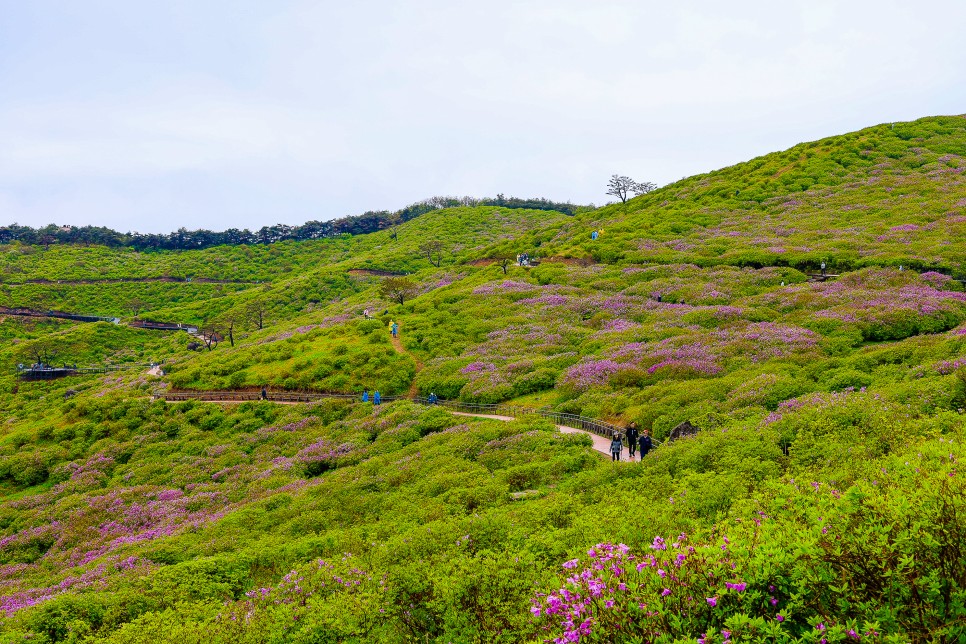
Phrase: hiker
[594,235]
[632,436]
[365,313]
[823,269]
[395,329]
[376,398]
[660,298]
[615,447]
[432,398]
[264,393]
[365,396]
[645,443]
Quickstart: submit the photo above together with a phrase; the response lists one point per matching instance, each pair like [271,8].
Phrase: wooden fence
[593,425]
[34,372]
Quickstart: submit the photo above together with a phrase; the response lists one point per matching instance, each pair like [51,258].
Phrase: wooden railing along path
[45,372]
[583,423]
[55,314]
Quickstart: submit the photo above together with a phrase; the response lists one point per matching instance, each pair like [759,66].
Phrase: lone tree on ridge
[621,187]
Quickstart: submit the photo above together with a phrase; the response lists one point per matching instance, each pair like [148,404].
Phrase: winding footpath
[601,444]
[397,344]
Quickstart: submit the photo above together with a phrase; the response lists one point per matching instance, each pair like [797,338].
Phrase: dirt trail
[372,272]
[134,280]
[400,349]
[601,444]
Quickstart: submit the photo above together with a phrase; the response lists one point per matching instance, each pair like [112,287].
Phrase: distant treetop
[184,239]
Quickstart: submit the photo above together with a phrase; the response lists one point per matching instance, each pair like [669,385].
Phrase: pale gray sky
[207,113]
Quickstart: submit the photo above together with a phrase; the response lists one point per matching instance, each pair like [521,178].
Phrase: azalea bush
[869,562]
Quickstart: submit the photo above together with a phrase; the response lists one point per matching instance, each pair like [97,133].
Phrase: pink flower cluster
[475,367]
[704,353]
[507,286]
[323,451]
[593,373]
[614,591]
[947,367]
[547,300]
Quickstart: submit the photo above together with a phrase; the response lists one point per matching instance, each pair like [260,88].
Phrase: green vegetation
[820,501]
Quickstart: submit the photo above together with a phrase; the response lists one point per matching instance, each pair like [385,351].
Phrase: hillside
[819,500]
[888,195]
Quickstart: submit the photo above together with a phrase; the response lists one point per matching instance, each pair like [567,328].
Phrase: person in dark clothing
[615,447]
[632,436]
[264,393]
[645,443]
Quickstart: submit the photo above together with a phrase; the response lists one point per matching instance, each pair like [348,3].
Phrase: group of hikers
[635,439]
[377,397]
[393,325]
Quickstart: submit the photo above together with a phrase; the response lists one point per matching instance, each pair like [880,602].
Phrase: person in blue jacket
[365,396]
[432,398]
[645,443]
[376,398]
[616,445]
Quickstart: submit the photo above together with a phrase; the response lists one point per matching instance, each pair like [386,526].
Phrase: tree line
[183,239]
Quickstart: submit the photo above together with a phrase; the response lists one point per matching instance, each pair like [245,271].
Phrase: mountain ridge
[815,501]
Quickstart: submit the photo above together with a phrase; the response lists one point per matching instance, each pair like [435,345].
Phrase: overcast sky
[212,114]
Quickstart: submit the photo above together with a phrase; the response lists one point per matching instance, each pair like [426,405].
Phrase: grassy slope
[879,196]
[116,509]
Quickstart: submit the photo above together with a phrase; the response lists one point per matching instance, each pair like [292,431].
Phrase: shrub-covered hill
[887,195]
[287,277]
[462,231]
[142,521]
[820,500]
[598,340]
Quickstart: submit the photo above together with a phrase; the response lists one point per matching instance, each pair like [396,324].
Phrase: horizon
[153,119]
